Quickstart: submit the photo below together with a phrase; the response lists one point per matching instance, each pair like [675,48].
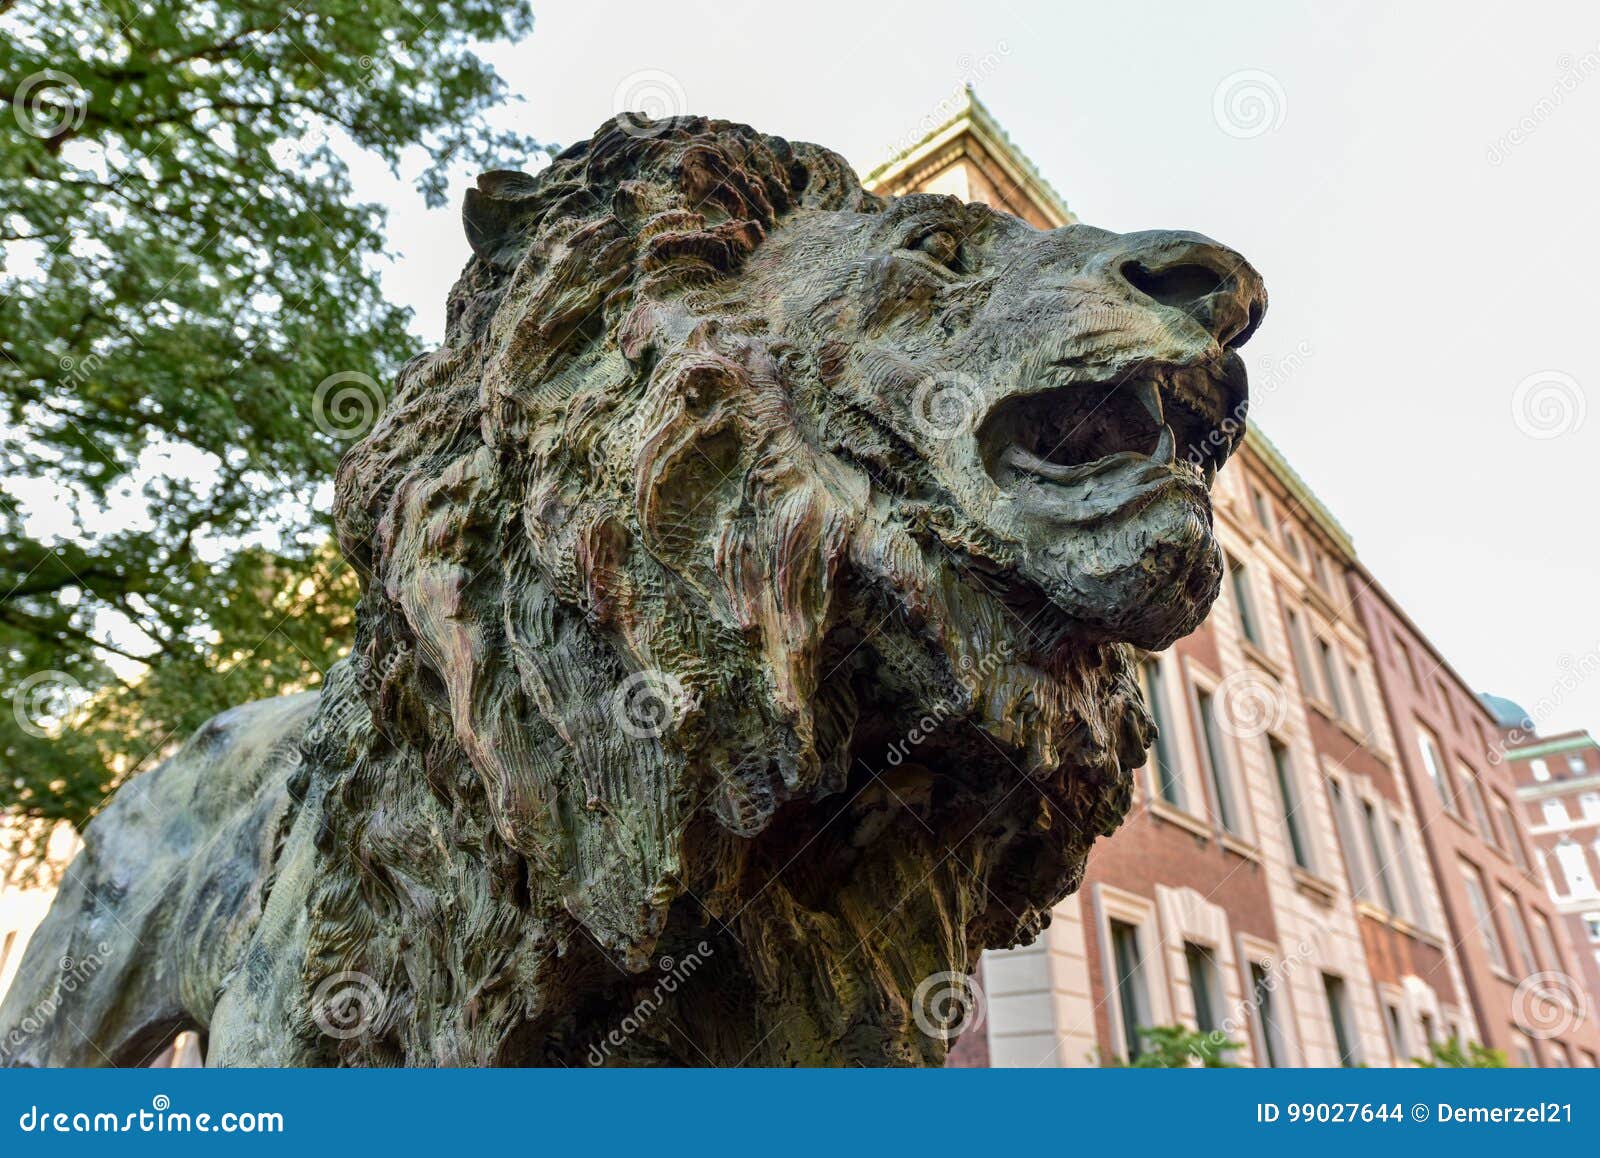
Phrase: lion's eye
[942,245]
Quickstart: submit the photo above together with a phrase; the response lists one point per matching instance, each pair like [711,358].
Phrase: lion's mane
[611,487]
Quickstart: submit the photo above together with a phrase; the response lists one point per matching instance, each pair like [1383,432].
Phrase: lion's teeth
[1164,448]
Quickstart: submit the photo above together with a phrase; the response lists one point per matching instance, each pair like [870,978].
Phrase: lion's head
[755,570]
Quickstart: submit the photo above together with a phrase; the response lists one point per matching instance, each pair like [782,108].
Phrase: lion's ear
[495,215]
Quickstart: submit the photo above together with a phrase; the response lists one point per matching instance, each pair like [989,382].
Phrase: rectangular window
[1590,803]
[1330,674]
[1131,993]
[1167,783]
[1575,765]
[1217,762]
[1339,1016]
[1380,859]
[1274,1046]
[1239,582]
[1263,511]
[1358,698]
[1433,763]
[1555,812]
[1360,884]
[1545,941]
[1519,933]
[1203,986]
[1480,811]
[1541,770]
[1297,648]
[1293,820]
[1509,830]
[1397,1035]
[1403,853]
[1482,917]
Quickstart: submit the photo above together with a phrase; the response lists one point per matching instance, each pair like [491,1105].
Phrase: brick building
[1558,790]
[1289,874]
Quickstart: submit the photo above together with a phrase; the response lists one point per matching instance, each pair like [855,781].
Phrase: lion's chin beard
[1147,579]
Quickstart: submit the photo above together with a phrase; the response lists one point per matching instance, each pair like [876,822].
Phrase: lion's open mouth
[1087,450]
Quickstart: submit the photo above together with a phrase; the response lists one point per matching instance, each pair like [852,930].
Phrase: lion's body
[707,700]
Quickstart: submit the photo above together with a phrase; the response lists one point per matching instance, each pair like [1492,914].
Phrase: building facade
[1558,790]
[1289,877]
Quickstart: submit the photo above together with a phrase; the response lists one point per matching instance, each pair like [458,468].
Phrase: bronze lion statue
[751,593]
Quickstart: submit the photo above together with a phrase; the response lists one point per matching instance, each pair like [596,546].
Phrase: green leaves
[182,267]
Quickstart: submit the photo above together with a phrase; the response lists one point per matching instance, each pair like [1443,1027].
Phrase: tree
[1452,1054]
[191,331]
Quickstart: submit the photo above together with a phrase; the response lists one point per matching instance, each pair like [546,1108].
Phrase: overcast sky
[1418,183]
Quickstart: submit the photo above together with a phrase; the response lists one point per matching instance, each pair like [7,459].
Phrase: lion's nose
[1211,283]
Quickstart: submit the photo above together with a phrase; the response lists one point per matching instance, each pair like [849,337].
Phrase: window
[1319,568]
[1575,765]
[1480,811]
[1449,704]
[1559,1058]
[1540,770]
[1203,985]
[1591,925]
[1408,873]
[1519,933]
[1358,699]
[1291,544]
[1575,867]
[1239,583]
[1293,820]
[1434,764]
[1263,509]
[1555,812]
[1522,1051]
[1359,883]
[1217,762]
[1545,941]
[1297,648]
[1339,1016]
[1397,1035]
[5,949]
[1380,859]
[1590,803]
[1274,1046]
[1330,672]
[1167,783]
[1482,917]
[1509,831]
[1131,992]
